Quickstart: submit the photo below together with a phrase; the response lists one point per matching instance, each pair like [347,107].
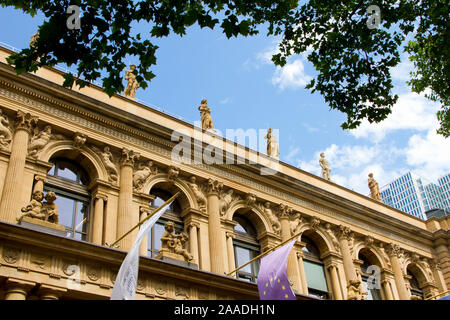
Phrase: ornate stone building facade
[108,160]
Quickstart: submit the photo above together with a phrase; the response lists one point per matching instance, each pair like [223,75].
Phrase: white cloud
[402,70]
[430,155]
[225,101]
[412,111]
[292,75]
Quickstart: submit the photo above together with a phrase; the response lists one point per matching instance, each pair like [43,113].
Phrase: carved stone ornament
[141,176]
[214,186]
[140,285]
[383,250]
[133,84]
[128,157]
[199,196]
[272,144]
[355,290]
[374,189]
[181,292]
[47,211]
[40,260]
[40,139]
[5,131]
[205,115]
[10,254]
[25,121]
[314,222]
[79,140]
[172,173]
[295,224]
[332,235]
[325,167]
[93,272]
[160,287]
[250,200]
[368,241]
[172,244]
[70,268]
[276,225]
[283,211]
[108,161]
[225,200]
[344,232]
[394,250]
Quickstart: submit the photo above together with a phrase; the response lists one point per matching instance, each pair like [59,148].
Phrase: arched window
[173,213]
[368,272]
[414,284]
[69,182]
[246,247]
[314,270]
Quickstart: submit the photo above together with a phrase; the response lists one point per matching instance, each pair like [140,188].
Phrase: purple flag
[273,282]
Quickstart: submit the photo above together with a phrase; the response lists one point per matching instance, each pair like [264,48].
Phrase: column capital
[25,121]
[344,232]
[128,157]
[230,234]
[332,265]
[283,211]
[214,187]
[393,250]
[300,255]
[48,292]
[40,177]
[193,224]
[102,196]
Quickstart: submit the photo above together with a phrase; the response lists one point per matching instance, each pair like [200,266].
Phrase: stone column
[332,268]
[143,213]
[292,267]
[193,240]
[17,289]
[47,292]
[216,247]
[97,228]
[126,218]
[438,276]
[394,253]
[302,274]
[387,289]
[10,202]
[39,184]
[230,252]
[349,268]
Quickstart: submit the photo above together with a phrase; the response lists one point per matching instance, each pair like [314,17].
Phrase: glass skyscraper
[415,195]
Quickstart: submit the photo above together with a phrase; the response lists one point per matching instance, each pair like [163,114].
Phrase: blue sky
[245,90]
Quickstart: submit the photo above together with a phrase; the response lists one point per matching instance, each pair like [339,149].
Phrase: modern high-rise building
[415,195]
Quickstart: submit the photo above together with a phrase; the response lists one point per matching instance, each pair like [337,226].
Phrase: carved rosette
[128,157]
[10,254]
[93,272]
[25,121]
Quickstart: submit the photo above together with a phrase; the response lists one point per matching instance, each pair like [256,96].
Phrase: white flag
[126,280]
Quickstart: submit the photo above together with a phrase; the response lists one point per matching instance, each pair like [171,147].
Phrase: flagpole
[442,293]
[146,218]
[264,253]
